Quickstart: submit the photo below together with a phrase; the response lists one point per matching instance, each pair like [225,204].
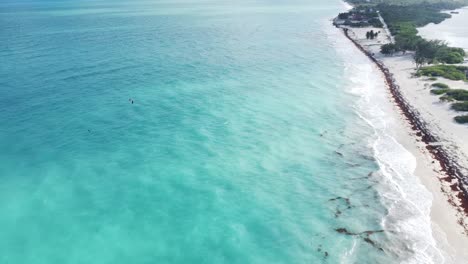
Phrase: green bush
[419,14]
[432,79]
[403,21]
[375,22]
[343,15]
[389,49]
[458,94]
[439,91]
[449,55]
[461,119]
[447,71]
[446,98]
[431,71]
[440,85]
[463,106]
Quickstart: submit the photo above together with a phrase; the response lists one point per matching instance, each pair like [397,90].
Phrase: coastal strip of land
[449,165]
[441,144]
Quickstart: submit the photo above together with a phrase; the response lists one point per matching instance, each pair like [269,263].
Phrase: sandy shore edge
[436,168]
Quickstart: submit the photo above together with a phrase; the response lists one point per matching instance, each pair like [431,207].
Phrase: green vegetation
[452,95]
[436,51]
[402,21]
[461,119]
[440,85]
[449,55]
[463,106]
[442,88]
[403,17]
[439,91]
[416,15]
[371,34]
[360,16]
[401,2]
[375,22]
[447,71]
[446,98]
[458,94]
[390,49]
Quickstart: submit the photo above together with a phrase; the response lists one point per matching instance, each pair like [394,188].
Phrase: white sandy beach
[450,235]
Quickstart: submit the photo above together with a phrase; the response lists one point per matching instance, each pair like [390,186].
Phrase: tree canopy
[403,22]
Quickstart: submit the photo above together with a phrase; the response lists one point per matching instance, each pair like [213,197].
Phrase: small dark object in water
[370,232]
[372,243]
[337,213]
[345,231]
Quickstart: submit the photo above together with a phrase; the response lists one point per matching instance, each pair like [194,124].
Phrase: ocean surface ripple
[189,132]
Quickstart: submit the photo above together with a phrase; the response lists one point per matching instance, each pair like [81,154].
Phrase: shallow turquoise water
[241,145]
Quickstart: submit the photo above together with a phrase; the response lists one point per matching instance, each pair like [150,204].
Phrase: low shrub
[463,106]
[447,71]
[440,85]
[450,55]
[461,119]
[458,94]
[439,91]
[432,79]
[375,22]
[446,98]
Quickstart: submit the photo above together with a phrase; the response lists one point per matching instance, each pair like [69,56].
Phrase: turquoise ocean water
[245,142]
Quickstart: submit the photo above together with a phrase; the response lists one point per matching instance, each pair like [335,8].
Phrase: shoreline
[449,166]
[440,167]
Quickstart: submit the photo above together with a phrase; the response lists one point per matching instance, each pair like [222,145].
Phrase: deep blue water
[241,144]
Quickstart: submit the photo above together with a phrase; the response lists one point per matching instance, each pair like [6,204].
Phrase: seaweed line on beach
[449,166]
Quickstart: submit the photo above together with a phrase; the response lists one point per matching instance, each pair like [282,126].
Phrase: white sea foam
[347,6]
[408,202]
[348,257]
